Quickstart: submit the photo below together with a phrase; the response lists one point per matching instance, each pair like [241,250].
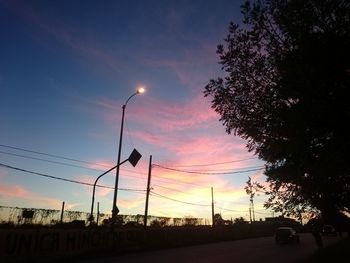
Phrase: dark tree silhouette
[218,221]
[239,221]
[285,90]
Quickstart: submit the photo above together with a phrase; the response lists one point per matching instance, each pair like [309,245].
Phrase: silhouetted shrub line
[50,244]
[18,216]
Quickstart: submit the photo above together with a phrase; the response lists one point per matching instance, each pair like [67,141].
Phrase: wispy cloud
[192,68]
[131,203]
[160,114]
[187,133]
[11,192]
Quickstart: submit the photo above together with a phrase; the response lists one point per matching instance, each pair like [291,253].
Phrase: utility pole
[250,215]
[98,213]
[251,192]
[62,212]
[212,206]
[253,210]
[147,191]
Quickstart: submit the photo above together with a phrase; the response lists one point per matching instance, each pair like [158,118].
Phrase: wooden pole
[62,212]
[147,191]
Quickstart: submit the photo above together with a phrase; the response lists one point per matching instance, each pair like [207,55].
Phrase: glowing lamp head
[140,90]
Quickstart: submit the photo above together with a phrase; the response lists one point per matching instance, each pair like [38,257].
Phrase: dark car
[284,235]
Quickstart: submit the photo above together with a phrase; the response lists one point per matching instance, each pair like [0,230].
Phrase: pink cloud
[181,134]
[99,191]
[129,177]
[184,130]
[159,114]
[225,197]
[195,188]
[147,137]
[206,144]
[172,116]
[17,192]
[12,190]
[131,203]
[103,191]
[101,164]
[198,177]
[172,126]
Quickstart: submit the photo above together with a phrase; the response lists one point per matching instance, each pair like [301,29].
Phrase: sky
[66,69]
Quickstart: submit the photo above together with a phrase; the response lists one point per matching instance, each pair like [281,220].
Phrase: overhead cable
[179,201]
[65,179]
[92,163]
[68,164]
[196,172]
[49,161]
[218,163]
[47,154]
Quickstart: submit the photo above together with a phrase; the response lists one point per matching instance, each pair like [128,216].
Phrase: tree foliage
[285,90]
[240,221]
[218,220]
[252,188]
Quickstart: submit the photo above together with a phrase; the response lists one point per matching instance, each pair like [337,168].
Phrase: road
[243,251]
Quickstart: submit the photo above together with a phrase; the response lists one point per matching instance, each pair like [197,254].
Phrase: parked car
[328,230]
[285,235]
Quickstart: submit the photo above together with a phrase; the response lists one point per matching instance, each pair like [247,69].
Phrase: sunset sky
[66,69]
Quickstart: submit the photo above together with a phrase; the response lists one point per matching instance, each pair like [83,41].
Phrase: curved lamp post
[115,209]
[134,157]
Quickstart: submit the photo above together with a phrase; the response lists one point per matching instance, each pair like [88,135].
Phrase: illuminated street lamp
[115,209]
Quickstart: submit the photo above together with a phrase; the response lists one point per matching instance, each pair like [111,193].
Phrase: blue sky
[66,69]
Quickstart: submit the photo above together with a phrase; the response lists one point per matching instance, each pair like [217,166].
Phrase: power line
[175,200]
[92,163]
[68,164]
[175,190]
[171,189]
[49,161]
[194,172]
[130,171]
[236,211]
[219,171]
[194,204]
[218,163]
[227,169]
[176,181]
[262,213]
[122,189]
[48,154]
[65,179]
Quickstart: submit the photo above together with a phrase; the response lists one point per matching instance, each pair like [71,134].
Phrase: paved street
[243,251]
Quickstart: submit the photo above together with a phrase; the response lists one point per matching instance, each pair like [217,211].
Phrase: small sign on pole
[134,157]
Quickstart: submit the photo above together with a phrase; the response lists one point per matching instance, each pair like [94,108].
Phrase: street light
[115,209]
[134,157]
